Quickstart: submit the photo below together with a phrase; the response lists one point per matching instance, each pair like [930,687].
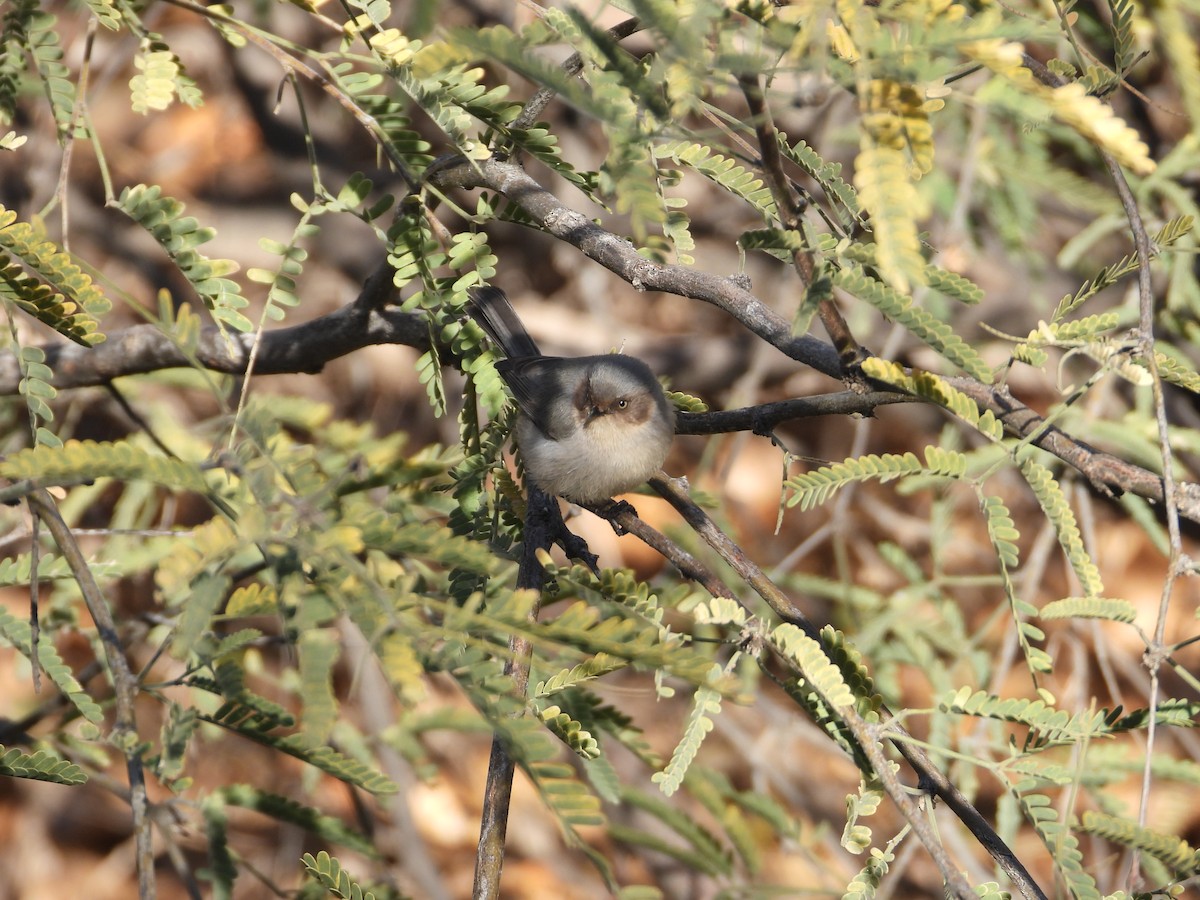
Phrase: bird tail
[489,307]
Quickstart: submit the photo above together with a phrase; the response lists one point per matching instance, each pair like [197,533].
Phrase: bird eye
[622,403]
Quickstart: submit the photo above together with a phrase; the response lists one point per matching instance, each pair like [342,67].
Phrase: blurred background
[910,576]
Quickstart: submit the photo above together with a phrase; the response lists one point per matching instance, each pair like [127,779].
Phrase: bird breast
[609,456]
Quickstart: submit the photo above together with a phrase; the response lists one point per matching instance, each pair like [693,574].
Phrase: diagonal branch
[620,257]
[931,778]
[125,685]
[790,209]
[541,528]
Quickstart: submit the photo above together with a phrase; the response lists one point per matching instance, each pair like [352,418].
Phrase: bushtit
[590,427]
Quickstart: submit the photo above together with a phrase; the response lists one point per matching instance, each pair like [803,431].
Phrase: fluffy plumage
[590,427]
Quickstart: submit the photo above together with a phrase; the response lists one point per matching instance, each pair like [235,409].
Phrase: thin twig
[138,419]
[625,518]
[868,737]
[931,778]
[125,735]
[674,491]
[539,533]
[571,67]
[35,584]
[850,354]
[1156,653]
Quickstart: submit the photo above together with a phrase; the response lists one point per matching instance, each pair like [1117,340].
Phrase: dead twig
[125,685]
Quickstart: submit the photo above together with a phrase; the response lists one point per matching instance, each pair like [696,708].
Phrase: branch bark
[542,524]
[125,684]
[675,492]
[302,348]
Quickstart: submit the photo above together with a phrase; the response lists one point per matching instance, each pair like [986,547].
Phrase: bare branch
[674,491]
[790,209]
[762,418]
[543,524]
[299,348]
[620,257]
[625,520]
[125,685]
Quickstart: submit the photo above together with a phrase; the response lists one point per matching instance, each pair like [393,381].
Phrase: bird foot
[577,548]
[614,510]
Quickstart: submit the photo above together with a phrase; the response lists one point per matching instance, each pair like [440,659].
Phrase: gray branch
[299,348]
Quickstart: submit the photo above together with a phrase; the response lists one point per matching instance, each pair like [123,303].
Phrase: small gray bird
[590,427]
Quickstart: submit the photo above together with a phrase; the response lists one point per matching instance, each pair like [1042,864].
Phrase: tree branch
[299,348]
[790,210]
[762,418]
[674,491]
[625,520]
[125,684]
[542,524]
[309,346]
[620,257]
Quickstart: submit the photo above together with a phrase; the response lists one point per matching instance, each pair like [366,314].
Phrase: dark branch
[300,348]
[760,419]
[674,491]
[620,257]
[625,520]
[125,684]
[308,347]
[543,524]
[791,208]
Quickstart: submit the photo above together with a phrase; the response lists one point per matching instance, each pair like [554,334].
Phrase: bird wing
[543,389]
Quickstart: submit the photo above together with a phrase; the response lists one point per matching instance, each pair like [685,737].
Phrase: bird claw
[573,545]
[577,548]
[613,510]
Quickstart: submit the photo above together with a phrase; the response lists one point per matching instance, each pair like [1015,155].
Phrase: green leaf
[160,79]
[885,191]
[55,290]
[1110,608]
[326,871]
[827,175]
[18,633]
[724,172]
[814,664]
[327,828]
[39,766]
[570,732]
[1054,504]
[81,461]
[814,488]
[705,704]
[931,387]
[179,236]
[923,325]
[222,871]
[1173,851]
